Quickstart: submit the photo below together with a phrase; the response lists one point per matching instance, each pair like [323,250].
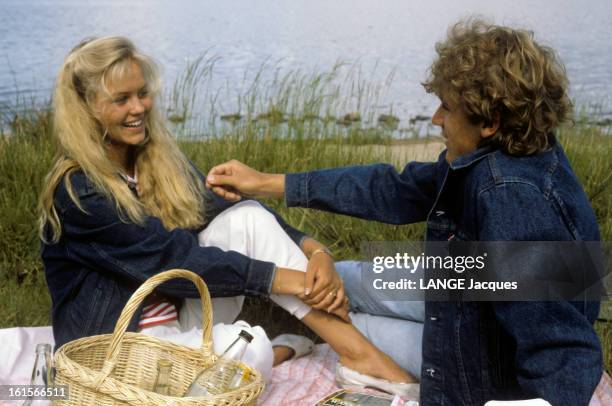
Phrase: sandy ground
[406,151]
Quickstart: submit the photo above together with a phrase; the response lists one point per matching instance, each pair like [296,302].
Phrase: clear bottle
[225,374]
[42,372]
[162,382]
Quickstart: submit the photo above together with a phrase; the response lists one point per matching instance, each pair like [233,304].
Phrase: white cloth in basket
[259,353]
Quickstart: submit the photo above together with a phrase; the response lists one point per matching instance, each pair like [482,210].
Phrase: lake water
[391,41]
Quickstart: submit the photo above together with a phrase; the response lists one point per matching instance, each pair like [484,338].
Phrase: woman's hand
[323,287]
[232,180]
[343,310]
[292,282]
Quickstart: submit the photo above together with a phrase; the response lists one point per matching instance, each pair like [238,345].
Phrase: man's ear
[489,128]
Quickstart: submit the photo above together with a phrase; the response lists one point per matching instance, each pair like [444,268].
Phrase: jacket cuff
[296,189]
[296,236]
[259,278]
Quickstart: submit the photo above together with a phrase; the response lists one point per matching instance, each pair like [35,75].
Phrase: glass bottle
[42,372]
[162,382]
[226,373]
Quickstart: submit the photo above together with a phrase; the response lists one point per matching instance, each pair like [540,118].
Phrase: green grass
[287,129]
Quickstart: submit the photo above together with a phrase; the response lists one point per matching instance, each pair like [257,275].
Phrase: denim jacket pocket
[82,314]
[88,310]
[498,361]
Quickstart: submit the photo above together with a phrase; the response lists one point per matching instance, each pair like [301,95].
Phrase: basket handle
[134,302]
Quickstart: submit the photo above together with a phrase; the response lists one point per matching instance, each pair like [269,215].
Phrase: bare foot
[282,354]
[355,350]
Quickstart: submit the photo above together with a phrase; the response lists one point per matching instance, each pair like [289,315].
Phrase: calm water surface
[384,37]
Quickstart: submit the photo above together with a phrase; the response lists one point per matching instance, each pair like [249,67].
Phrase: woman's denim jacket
[101,260]
[477,351]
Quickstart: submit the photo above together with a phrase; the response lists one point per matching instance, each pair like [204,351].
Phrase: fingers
[226,168]
[339,301]
[222,169]
[223,174]
[343,312]
[323,300]
[326,295]
[319,286]
[235,179]
[309,279]
[323,288]
[220,180]
[224,193]
[315,299]
[328,301]
[216,172]
[323,282]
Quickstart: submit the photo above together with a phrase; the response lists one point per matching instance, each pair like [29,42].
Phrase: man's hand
[233,180]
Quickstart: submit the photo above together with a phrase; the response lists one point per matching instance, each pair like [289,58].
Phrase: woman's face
[123,114]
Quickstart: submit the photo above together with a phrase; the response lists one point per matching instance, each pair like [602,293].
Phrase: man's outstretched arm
[234,180]
[373,192]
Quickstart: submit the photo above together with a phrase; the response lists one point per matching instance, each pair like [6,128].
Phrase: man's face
[460,134]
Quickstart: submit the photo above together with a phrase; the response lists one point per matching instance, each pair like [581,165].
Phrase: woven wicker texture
[120,368]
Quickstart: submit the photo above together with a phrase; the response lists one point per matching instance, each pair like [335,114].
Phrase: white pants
[250,229]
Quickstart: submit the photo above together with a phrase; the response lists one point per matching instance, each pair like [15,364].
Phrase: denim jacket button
[433,318]
[431,372]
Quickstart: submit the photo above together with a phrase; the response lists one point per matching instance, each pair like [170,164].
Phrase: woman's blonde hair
[500,72]
[169,187]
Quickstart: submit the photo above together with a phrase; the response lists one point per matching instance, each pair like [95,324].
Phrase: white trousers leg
[250,229]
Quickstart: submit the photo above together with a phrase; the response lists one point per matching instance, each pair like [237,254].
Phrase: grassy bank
[287,132]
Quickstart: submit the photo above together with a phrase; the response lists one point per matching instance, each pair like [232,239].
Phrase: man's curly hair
[496,71]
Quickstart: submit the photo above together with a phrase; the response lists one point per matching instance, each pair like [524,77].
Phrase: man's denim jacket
[101,260]
[475,352]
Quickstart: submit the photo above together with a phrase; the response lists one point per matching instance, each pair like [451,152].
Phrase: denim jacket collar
[469,159]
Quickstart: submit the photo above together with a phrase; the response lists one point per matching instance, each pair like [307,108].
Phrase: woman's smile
[135,125]
[123,114]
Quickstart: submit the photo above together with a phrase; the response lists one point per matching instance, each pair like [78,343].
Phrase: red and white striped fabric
[157,314]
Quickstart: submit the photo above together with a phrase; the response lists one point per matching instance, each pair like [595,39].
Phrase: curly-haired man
[502,177]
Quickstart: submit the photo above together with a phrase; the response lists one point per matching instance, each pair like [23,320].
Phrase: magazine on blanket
[346,397]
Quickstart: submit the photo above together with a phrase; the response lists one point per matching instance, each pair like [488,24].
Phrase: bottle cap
[43,347]
[246,335]
[164,363]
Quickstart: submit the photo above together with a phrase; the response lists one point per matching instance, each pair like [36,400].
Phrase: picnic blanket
[303,381]
[298,382]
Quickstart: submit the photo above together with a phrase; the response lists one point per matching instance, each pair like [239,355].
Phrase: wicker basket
[120,368]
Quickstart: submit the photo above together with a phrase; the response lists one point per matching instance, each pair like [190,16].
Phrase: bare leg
[361,355]
[355,351]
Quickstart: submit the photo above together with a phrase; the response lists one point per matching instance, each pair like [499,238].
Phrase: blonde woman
[122,203]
